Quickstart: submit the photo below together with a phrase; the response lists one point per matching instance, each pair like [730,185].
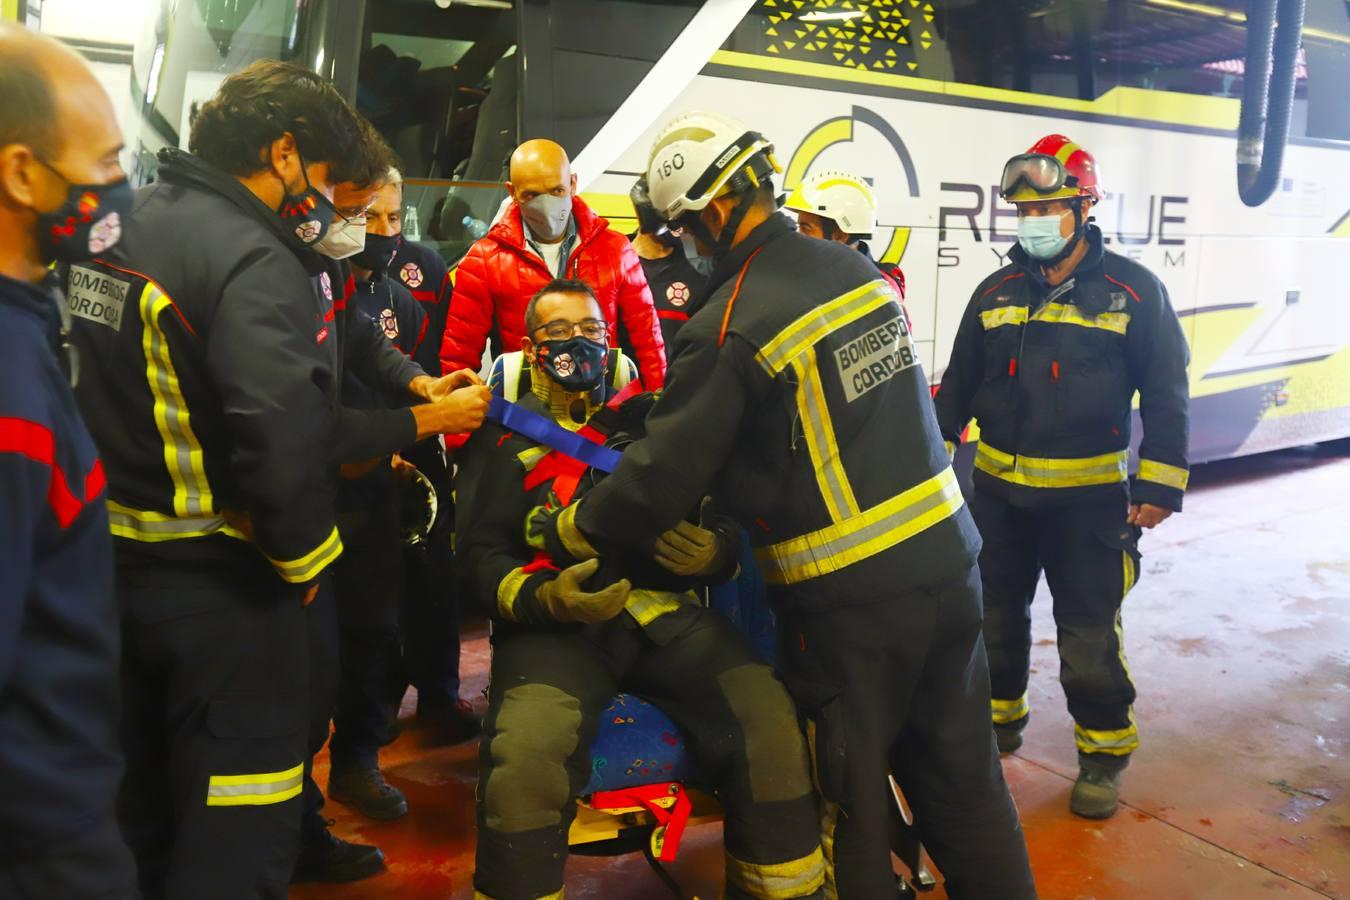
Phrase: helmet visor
[1043,174]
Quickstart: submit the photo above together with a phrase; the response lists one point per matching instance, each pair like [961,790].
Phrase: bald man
[63,197]
[548,232]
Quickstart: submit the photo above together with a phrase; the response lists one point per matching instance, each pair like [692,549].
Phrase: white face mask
[344,238]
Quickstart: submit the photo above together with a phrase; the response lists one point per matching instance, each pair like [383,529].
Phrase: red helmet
[1054,168]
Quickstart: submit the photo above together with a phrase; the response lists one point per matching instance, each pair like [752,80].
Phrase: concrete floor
[1239,639]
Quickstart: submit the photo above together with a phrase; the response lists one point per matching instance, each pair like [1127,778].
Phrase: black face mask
[576,363]
[378,253]
[309,212]
[90,222]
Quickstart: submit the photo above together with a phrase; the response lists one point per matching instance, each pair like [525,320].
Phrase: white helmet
[700,156]
[837,195]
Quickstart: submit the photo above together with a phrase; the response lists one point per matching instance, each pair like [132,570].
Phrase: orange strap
[726,319]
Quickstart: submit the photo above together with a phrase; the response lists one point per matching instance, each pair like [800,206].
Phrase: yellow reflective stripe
[153,527]
[1162,473]
[1069,314]
[254,790]
[1120,742]
[556,895]
[308,567]
[792,341]
[648,606]
[1006,711]
[182,451]
[1129,574]
[1003,315]
[951,449]
[1032,471]
[508,591]
[530,458]
[820,440]
[865,535]
[572,539]
[795,878]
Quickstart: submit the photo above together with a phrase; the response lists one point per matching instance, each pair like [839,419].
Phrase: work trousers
[429,657]
[546,694]
[93,865]
[353,629]
[1090,556]
[901,686]
[214,687]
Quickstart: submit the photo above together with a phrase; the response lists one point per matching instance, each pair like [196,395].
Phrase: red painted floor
[1239,639]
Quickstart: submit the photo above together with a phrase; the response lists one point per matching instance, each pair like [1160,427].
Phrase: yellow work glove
[692,551]
[565,600]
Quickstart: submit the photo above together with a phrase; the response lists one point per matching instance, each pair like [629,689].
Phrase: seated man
[565,642]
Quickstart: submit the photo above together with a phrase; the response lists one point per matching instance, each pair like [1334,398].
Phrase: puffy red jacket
[500,274]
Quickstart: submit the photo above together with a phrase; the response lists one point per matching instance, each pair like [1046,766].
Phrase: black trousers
[1090,556]
[546,694]
[901,686]
[214,686]
[429,656]
[94,865]
[353,632]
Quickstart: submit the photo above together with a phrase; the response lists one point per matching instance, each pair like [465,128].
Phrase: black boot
[325,857]
[1009,737]
[366,791]
[450,723]
[1096,793]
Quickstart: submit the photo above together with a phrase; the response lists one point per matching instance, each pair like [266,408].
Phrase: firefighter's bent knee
[536,732]
[774,748]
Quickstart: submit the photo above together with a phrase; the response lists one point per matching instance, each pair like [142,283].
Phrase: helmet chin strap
[719,245]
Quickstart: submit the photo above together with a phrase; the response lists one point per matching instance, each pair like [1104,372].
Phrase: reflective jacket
[208,379]
[1050,375]
[810,419]
[500,274]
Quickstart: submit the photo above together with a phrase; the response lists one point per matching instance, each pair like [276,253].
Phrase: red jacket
[500,274]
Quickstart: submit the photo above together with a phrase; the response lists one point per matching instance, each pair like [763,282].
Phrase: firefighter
[350,623]
[797,395]
[428,653]
[212,395]
[676,285]
[564,641]
[840,206]
[63,197]
[1049,356]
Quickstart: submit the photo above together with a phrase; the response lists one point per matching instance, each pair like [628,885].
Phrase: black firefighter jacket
[811,421]
[210,341]
[1050,375]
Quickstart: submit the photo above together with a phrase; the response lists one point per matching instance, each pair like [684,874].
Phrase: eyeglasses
[561,330]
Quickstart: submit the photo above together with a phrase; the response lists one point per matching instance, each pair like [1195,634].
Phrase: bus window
[441,85]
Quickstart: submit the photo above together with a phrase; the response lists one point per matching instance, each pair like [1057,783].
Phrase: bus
[926,98]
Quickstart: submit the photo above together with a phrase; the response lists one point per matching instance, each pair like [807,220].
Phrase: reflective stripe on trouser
[1044,472]
[778,881]
[254,789]
[1089,568]
[1007,712]
[556,895]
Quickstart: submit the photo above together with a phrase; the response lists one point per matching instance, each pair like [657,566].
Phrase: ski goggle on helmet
[1054,168]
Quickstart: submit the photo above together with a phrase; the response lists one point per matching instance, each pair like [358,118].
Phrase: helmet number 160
[672,165]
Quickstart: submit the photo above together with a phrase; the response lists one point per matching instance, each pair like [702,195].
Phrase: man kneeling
[564,642]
